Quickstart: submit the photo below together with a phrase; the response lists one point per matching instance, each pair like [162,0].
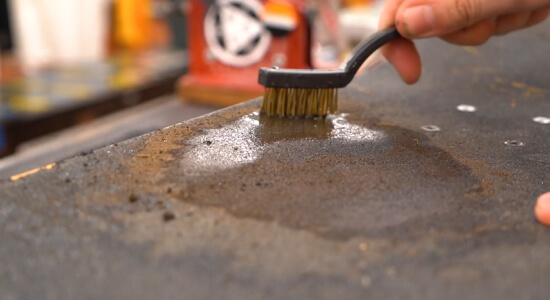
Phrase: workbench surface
[399,196]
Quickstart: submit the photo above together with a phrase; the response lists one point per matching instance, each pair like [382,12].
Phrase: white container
[59,32]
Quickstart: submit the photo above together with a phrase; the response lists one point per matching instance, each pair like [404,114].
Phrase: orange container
[230,40]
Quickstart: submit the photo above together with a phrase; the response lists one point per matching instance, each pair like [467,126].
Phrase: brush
[314,93]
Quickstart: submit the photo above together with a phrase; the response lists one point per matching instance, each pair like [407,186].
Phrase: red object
[214,82]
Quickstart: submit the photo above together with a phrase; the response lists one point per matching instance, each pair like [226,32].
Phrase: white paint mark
[466,108]
[430,128]
[514,143]
[542,120]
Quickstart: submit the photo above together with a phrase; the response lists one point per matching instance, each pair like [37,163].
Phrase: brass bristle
[308,103]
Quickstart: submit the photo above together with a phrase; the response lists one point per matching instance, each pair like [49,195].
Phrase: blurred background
[77,75]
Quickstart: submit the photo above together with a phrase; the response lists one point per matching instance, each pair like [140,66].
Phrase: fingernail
[419,20]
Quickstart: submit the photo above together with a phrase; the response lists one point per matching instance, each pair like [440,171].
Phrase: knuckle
[481,37]
[467,10]
[475,35]
[480,40]
[537,17]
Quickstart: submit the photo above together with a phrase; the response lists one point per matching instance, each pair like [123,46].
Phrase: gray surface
[360,206]
[114,128]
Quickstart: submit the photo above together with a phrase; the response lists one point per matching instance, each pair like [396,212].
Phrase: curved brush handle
[359,55]
[325,79]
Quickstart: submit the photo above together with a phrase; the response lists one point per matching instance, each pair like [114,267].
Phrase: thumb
[427,18]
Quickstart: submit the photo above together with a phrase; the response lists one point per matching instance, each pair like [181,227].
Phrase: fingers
[542,209]
[538,16]
[462,22]
[387,18]
[402,54]
[510,22]
[428,18]
[474,35]
[480,32]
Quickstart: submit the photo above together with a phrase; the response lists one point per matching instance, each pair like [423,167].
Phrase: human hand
[461,22]
[542,209]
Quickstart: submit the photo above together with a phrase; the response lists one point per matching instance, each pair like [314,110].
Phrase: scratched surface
[363,205]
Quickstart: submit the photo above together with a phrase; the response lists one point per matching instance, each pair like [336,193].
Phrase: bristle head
[300,103]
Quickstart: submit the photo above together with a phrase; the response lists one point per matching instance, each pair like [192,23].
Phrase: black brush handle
[359,55]
[321,79]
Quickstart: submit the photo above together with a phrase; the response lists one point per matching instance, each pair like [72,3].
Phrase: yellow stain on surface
[480,70]
[33,171]
[533,91]
[500,80]
[519,85]
[473,51]
[528,90]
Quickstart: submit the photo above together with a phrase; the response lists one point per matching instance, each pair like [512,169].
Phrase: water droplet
[345,130]
[340,122]
[466,108]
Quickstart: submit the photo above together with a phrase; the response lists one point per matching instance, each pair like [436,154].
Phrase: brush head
[301,93]
[299,103]
[306,79]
